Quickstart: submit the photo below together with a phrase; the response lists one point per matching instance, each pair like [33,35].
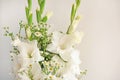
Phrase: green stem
[57,55]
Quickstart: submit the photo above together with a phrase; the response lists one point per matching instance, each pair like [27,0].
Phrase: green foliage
[8,33]
[39,33]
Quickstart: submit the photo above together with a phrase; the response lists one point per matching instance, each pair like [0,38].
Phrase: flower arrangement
[43,55]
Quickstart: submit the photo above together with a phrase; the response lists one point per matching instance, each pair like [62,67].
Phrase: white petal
[70,40]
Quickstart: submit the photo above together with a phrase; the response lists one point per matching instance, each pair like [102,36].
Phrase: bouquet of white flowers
[40,55]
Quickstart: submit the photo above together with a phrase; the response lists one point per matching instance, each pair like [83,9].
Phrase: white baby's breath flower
[53,77]
[38,34]
[37,28]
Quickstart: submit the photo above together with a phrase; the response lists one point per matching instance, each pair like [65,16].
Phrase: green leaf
[78,3]
[40,12]
[30,19]
[42,5]
[38,15]
[30,4]
[44,19]
[27,12]
[73,13]
[39,2]
[10,34]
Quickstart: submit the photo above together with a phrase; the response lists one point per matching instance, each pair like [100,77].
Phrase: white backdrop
[100,48]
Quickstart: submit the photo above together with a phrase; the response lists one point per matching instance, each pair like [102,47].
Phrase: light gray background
[100,48]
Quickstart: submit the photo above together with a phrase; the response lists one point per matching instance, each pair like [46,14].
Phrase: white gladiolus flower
[61,41]
[72,56]
[70,40]
[16,65]
[72,69]
[63,45]
[54,46]
[36,71]
[29,55]
[28,51]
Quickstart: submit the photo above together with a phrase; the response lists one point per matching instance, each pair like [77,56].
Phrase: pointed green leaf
[78,2]
[30,19]
[44,19]
[73,12]
[30,4]
[42,6]
[38,15]
[39,2]
[27,12]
